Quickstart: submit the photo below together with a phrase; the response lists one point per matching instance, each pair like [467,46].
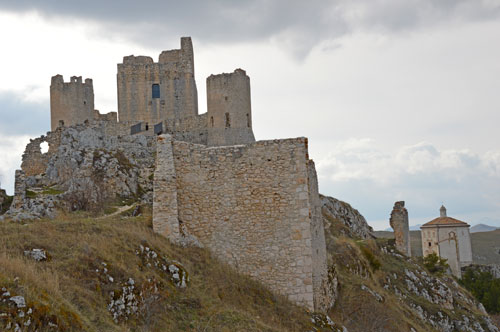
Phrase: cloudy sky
[400,99]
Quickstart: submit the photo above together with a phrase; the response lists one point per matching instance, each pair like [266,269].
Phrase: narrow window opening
[147,126]
[228,122]
[225,98]
[84,102]
[156,91]
[430,244]
[248,120]
[212,121]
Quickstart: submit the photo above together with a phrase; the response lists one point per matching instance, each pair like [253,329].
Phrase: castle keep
[255,205]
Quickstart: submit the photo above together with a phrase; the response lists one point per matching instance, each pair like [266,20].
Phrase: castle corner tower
[229,112]
[71,102]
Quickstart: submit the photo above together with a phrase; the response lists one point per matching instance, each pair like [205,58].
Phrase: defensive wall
[255,206]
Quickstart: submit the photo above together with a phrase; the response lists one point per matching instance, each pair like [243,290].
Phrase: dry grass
[217,299]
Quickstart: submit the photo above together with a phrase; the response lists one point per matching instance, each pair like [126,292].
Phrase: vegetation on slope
[381,290]
[92,264]
[484,287]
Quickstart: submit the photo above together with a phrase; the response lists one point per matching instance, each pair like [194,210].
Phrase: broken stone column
[399,223]
[165,213]
[19,189]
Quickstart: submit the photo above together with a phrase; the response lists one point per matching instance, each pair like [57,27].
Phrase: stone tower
[71,102]
[229,113]
[399,223]
[151,91]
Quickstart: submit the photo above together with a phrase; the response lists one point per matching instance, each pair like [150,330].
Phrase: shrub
[435,264]
[484,287]
[374,262]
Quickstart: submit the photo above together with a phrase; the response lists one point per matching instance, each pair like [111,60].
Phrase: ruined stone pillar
[399,223]
[19,189]
[165,211]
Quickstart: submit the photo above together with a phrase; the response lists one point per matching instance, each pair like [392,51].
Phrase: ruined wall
[254,206]
[174,75]
[229,112]
[71,102]
[323,293]
[399,223]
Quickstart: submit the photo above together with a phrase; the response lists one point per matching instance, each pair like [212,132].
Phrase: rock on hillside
[339,213]
[85,166]
[378,289]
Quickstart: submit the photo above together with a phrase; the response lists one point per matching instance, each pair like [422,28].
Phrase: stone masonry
[255,206]
[72,102]
[399,223]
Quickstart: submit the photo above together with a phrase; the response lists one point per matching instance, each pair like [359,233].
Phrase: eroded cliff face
[344,218]
[84,167]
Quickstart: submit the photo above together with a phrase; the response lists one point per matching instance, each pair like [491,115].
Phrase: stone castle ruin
[254,204]
[400,225]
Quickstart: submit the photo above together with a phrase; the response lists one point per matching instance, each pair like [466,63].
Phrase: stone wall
[229,111]
[174,75]
[189,129]
[71,102]
[399,223]
[254,206]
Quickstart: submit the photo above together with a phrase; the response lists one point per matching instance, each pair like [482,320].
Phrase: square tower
[151,91]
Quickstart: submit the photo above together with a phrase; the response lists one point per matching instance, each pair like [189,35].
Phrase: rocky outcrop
[85,166]
[334,211]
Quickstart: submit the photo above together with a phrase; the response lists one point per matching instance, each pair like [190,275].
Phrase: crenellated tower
[229,112]
[71,102]
[151,91]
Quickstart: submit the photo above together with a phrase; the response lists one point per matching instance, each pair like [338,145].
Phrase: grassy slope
[485,245]
[68,292]
[360,311]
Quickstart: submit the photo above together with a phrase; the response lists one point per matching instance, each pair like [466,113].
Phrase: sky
[400,99]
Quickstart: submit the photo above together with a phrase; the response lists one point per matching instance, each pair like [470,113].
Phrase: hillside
[485,245]
[114,274]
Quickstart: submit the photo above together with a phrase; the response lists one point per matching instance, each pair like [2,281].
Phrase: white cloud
[370,177]
[11,150]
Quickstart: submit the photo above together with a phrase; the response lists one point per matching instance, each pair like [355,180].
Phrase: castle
[448,238]
[161,97]
[254,204]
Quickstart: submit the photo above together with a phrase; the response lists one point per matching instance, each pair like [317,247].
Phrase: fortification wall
[174,76]
[72,102]
[189,129]
[229,109]
[252,205]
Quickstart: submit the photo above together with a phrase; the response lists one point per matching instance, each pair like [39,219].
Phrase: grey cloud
[35,116]
[296,25]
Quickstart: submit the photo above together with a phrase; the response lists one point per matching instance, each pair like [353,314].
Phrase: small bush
[374,262]
[436,264]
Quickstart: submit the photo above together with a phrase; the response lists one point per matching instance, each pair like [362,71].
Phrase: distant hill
[485,245]
[412,228]
[482,228]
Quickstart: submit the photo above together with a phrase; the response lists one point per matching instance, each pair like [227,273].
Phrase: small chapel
[449,238]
